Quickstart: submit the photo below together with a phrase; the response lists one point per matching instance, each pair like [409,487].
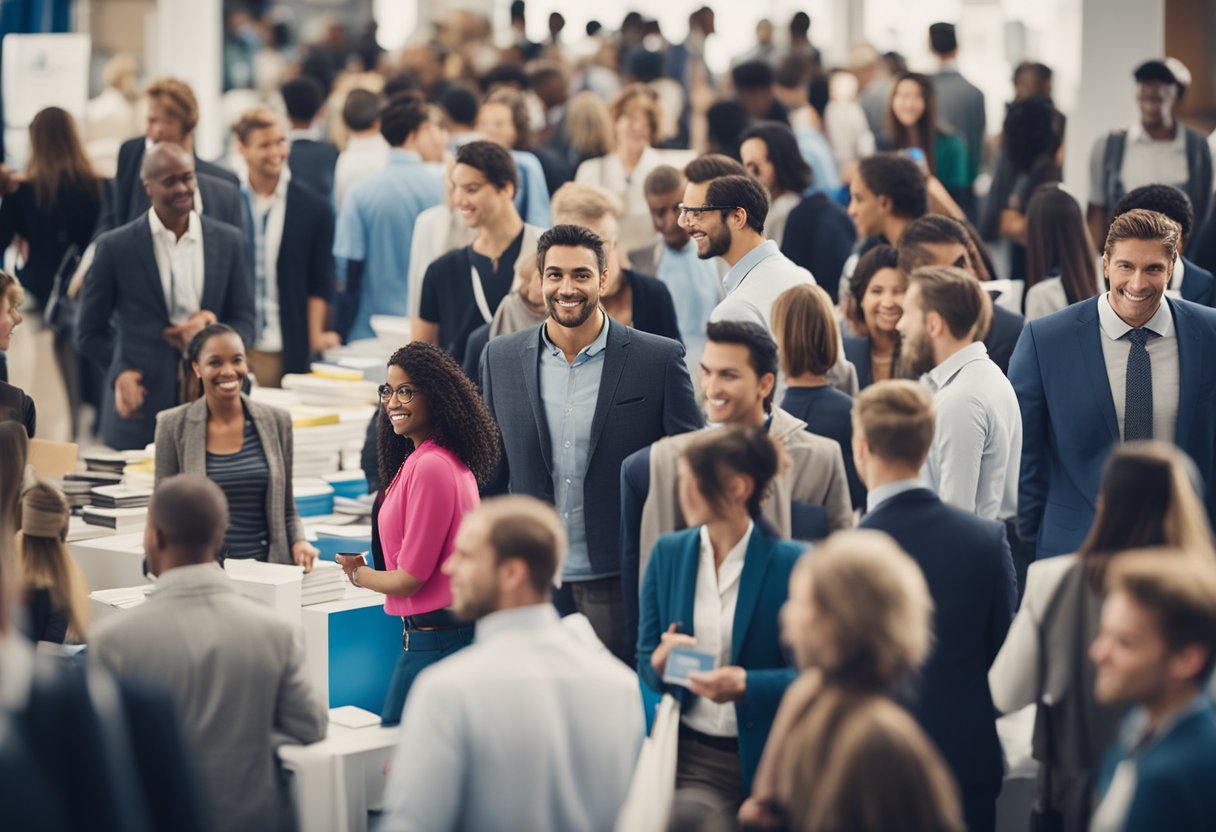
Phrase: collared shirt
[695,290]
[376,227]
[1148,161]
[880,494]
[755,282]
[526,728]
[975,457]
[268,213]
[181,267]
[1175,288]
[363,156]
[1162,355]
[713,623]
[570,391]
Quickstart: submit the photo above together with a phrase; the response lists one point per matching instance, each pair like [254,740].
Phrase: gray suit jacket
[645,394]
[235,671]
[124,287]
[181,448]
[961,105]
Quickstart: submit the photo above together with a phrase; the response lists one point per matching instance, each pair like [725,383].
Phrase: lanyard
[479,295]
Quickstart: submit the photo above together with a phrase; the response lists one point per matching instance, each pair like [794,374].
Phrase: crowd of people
[715,397]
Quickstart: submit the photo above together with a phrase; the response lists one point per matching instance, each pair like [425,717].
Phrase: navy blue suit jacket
[645,394]
[305,268]
[969,570]
[127,200]
[1198,284]
[1003,336]
[668,596]
[857,351]
[1068,417]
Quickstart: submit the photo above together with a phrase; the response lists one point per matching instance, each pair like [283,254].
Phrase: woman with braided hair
[437,443]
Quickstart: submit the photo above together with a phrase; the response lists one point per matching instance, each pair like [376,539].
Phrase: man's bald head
[162,155]
[187,518]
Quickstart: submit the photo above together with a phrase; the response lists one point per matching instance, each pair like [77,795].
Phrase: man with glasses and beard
[573,398]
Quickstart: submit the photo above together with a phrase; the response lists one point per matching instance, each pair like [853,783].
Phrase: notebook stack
[121,496]
[119,519]
[326,582]
[78,487]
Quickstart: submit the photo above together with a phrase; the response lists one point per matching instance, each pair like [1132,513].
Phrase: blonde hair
[588,126]
[878,605]
[1140,224]
[578,204]
[256,118]
[873,768]
[45,561]
[804,323]
[897,420]
[178,100]
[11,288]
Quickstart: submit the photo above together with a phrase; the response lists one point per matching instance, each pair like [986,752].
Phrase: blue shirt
[532,195]
[376,226]
[817,152]
[570,391]
[695,290]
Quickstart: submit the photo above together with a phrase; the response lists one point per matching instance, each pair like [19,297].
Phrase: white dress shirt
[755,282]
[713,624]
[526,728]
[1162,355]
[975,457]
[180,263]
[269,212]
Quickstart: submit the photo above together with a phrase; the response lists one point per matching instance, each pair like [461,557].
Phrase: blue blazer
[1198,285]
[969,570]
[1174,776]
[668,595]
[857,351]
[1069,424]
[645,394]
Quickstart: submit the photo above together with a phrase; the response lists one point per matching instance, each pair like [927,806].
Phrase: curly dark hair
[462,424]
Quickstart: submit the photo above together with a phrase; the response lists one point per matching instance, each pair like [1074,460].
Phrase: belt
[434,639]
[730,744]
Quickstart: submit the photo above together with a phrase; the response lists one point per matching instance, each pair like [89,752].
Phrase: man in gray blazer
[160,279]
[233,668]
[573,398]
[960,104]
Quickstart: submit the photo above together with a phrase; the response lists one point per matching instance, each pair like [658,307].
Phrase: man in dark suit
[312,161]
[161,278]
[290,234]
[960,104]
[1129,364]
[172,117]
[1191,281]
[573,398]
[967,565]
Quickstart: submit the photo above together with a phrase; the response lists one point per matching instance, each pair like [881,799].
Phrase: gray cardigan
[181,448]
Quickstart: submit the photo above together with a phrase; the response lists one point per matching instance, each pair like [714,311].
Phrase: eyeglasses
[405,393]
[695,213]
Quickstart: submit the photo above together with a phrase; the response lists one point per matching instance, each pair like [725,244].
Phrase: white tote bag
[653,788]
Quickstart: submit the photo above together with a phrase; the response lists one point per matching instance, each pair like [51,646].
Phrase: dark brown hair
[923,134]
[57,159]
[956,296]
[1057,237]
[728,451]
[1139,224]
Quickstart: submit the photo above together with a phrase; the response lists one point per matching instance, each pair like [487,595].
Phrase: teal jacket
[668,594]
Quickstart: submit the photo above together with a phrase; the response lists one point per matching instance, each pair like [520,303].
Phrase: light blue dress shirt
[532,194]
[695,289]
[880,494]
[528,728]
[817,152]
[376,226]
[570,391]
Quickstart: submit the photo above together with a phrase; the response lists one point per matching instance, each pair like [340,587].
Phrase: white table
[111,562]
[336,781]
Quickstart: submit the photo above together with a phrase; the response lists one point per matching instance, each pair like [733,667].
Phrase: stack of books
[78,486]
[324,583]
[121,496]
[119,519]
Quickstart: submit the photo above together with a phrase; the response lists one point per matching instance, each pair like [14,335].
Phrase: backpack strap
[1112,167]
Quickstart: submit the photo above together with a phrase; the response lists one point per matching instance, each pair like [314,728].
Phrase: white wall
[189,45]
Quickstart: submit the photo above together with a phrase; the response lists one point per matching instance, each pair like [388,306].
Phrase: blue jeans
[424,648]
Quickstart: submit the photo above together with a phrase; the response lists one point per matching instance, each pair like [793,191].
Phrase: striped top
[244,477]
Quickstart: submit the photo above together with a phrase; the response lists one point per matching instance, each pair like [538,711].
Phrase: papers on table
[123,597]
[352,716]
[326,582]
[350,531]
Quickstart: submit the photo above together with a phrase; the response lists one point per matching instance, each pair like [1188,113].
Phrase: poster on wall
[41,71]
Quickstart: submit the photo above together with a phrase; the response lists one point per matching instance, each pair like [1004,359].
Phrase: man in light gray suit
[574,397]
[155,283]
[960,104]
[233,668]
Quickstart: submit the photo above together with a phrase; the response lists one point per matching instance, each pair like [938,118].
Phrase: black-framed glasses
[697,211]
[405,393]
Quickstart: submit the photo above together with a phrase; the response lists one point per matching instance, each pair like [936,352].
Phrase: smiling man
[290,230]
[573,397]
[1129,364]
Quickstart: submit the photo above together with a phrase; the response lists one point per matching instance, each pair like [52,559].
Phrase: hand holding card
[682,661]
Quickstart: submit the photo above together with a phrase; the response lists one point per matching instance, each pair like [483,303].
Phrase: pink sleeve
[430,502]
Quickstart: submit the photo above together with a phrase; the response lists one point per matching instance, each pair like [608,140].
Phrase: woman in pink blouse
[436,443]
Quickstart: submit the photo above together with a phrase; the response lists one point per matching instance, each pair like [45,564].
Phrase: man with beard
[527,697]
[973,462]
[573,398]
[725,218]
